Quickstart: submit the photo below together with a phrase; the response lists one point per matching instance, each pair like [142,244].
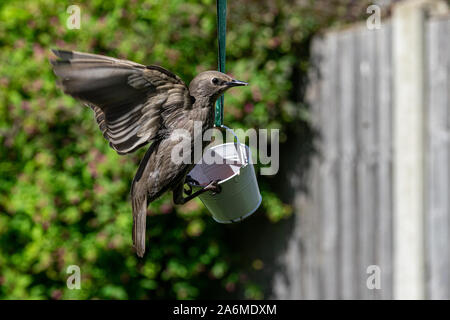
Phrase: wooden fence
[349,226]
[345,231]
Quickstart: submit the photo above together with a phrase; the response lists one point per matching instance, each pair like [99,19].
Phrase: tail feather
[139,221]
[140,199]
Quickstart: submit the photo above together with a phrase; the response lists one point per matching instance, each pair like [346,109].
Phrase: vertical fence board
[447,191]
[366,191]
[310,220]
[383,229]
[444,36]
[347,146]
[409,18]
[438,208]
[328,183]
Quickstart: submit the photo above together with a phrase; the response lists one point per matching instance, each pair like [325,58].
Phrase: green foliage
[64,194]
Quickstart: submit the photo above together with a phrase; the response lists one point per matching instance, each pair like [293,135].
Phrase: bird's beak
[236,83]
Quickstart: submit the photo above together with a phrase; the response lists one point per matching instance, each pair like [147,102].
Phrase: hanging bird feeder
[239,196]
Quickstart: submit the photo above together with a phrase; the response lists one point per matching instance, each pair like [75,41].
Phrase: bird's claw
[214,187]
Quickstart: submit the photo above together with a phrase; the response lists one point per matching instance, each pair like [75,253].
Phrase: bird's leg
[189,180]
[178,192]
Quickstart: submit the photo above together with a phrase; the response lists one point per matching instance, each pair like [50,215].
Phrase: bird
[134,105]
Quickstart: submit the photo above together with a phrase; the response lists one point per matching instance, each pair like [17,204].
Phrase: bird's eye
[215,80]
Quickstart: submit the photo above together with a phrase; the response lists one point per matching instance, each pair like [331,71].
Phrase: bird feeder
[239,196]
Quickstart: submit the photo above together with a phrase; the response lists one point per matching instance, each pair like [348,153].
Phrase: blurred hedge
[64,194]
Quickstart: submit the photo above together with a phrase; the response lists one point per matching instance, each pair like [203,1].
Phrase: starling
[134,105]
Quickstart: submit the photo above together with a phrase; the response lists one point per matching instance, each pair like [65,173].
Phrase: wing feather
[133,104]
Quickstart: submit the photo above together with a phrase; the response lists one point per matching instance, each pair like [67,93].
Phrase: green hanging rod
[221,34]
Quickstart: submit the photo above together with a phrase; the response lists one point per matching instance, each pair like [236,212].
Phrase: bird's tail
[139,205]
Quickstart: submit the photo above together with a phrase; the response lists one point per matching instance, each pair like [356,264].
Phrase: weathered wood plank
[328,183]
[309,240]
[310,219]
[438,207]
[447,187]
[347,146]
[409,19]
[383,236]
[366,190]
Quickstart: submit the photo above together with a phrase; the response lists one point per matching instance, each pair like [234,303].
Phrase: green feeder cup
[240,195]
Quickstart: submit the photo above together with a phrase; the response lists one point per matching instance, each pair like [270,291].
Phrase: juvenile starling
[135,104]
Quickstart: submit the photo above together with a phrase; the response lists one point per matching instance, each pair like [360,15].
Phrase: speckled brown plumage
[135,104]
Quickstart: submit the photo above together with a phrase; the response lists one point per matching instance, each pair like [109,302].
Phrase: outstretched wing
[133,103]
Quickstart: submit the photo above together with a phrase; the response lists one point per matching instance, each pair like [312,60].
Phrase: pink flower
[56,294]
[166,208]
[36,85]
[4,82]
[26,105]
[54,21]
[39,52]
[230,286]
[249,107]
[256,94]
